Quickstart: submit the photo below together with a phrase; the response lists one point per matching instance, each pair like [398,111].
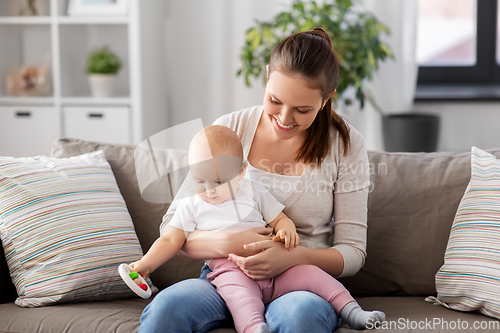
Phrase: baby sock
[262,328]
[358,319]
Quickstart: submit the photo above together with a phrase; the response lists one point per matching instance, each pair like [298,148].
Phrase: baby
[226,200]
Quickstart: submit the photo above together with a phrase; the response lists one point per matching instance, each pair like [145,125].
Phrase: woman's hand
[272,259]
[249,236]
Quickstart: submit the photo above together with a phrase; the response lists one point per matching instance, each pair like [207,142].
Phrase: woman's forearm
[209,244]
[206,245]
[330,260]
[273,258]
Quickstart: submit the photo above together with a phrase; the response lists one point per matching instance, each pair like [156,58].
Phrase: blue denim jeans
[195,306]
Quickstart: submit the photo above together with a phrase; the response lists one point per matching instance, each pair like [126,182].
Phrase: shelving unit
[139,108]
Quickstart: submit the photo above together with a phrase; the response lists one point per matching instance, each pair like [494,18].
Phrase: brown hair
[310,54]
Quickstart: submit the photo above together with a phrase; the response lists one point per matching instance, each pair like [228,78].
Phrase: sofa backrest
[411,207]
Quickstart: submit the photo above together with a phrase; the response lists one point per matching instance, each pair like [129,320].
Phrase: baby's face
[213,189]
[216,181]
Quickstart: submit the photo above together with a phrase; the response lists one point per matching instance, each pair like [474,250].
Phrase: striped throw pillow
[65,229]
[470,277]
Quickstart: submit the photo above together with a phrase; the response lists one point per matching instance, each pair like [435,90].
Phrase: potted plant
[102,68]
[357,39]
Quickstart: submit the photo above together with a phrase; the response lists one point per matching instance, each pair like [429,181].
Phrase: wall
[463,124]
[203,43]
[466,124]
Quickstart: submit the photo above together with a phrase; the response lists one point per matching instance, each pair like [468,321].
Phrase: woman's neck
[272,154]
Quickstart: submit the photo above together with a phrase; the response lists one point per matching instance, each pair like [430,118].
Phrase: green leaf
[298,6]
[267,33]
[251,35]
[103,61]
[309,25]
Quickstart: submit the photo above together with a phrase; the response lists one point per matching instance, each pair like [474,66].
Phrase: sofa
[412,203]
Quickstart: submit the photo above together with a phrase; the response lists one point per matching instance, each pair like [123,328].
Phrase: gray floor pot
[410,132]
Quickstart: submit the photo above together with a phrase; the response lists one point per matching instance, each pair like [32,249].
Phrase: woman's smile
[282,126]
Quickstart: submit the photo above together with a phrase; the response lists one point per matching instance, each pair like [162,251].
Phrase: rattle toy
[134,281]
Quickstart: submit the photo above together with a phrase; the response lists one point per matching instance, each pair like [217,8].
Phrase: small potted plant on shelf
[102,68]
[357,39]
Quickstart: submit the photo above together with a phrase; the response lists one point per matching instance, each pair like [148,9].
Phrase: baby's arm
[162,250]
[285,231]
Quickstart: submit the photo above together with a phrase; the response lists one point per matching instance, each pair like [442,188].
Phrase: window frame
[486,71]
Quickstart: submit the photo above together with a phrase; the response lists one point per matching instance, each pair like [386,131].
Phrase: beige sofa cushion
[118,316]
[403,314]
[411,208]
[145,215]
[470,277]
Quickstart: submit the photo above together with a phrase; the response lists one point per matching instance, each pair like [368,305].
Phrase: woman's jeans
[195,306]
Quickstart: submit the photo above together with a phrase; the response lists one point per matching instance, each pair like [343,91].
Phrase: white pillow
[470,277]
[65,229]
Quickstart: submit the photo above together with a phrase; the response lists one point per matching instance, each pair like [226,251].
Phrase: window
[447,33]
[458,44]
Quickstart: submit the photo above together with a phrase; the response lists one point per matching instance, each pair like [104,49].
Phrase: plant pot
[102,85]
[410,132]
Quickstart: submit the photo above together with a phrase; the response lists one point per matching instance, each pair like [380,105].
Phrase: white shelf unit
[139,108]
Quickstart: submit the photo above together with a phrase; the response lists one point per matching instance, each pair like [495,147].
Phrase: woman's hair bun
[321,33]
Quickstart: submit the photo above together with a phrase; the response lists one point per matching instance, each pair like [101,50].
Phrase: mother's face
[290,104]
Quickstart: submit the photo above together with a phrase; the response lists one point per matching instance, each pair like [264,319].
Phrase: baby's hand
[287,236]
[140,268]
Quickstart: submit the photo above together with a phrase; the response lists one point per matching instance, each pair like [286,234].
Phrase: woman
[313,162]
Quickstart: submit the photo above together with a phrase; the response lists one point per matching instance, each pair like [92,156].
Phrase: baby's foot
[262,328]
[358,318]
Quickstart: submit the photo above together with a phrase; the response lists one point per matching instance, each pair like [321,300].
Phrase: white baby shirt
[252,206]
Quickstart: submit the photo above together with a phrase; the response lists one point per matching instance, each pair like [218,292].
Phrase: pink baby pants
[246,298]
